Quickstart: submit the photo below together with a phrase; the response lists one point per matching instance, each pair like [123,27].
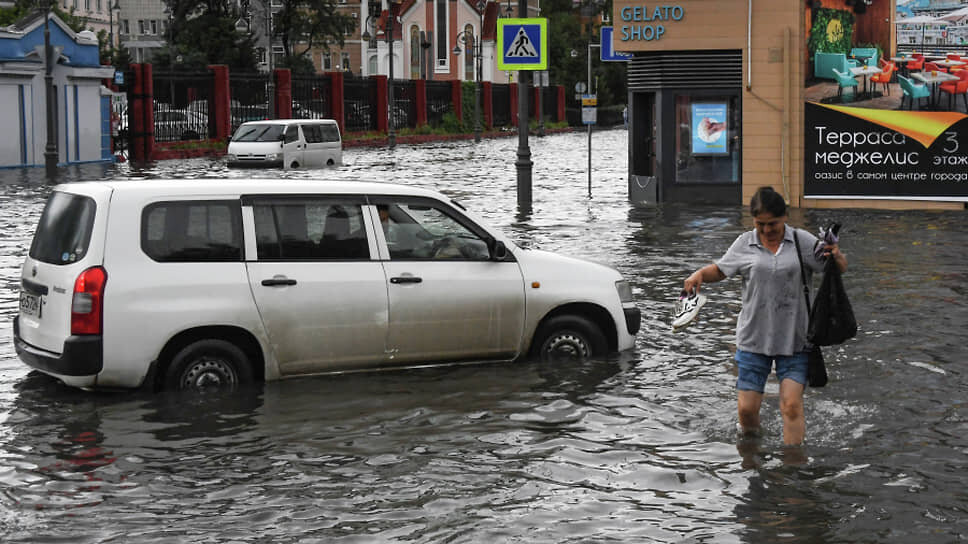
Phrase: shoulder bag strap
[803,275]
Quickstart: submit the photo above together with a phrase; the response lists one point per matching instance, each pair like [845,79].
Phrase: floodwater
[637,448]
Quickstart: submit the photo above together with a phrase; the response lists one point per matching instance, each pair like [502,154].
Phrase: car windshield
[258,133]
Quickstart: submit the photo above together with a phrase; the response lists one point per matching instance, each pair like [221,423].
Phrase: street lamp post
[391,104]
[475,45]
[111,9]
[270,85]
[50,150]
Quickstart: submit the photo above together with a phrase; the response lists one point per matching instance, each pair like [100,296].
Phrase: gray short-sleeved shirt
[774,317]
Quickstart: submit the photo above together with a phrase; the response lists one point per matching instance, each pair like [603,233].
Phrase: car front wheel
[208,365]
[568,338]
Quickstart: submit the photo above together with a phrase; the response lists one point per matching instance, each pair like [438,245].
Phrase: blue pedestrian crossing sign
[608,53]
[522,44]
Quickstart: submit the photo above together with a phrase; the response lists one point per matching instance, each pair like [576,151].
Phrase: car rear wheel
[208,365]
[569,338]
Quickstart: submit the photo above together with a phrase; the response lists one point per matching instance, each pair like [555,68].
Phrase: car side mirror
[499,251]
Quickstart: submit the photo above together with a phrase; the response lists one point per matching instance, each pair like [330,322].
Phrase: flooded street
[637,448]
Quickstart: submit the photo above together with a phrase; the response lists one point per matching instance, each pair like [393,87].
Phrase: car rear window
[192,231]
[64,231]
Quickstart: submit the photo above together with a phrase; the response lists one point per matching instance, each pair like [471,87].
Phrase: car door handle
[279,280]
[406,279]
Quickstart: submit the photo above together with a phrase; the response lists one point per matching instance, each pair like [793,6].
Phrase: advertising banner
[852,152]
[709,128]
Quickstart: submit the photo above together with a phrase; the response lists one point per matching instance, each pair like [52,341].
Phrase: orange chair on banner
[885,76]
[954,88]
[915,65]
[932,67]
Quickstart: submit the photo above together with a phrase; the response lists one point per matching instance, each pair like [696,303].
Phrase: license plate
[31,304]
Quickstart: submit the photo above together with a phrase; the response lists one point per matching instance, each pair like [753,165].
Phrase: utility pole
[523,162]
[391,134]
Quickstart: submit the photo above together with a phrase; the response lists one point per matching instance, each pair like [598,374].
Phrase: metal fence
[359,104]
[438,101]
[250,98]
[501,104]
[404,103]
[181,105]
[311,97]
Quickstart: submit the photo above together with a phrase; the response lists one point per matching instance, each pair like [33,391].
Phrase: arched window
[469,52]
[416,51]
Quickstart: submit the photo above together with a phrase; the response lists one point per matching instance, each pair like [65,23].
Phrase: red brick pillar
[514,104]
[487,103]
[336,99]
[536,98]
[221,102]
[421,88]
[561,103]
[141,114]
[381,103]
[456,97]
[283,98]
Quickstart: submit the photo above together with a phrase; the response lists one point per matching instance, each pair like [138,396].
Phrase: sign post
[522,45]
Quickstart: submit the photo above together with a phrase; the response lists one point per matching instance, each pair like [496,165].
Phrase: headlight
[229,157]
[624,291]
[272,156]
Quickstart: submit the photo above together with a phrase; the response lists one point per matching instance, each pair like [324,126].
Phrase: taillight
[88,301]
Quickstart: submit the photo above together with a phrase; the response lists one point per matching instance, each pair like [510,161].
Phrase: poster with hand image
[709,128]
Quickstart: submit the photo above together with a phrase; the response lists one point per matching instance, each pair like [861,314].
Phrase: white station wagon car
[202,284]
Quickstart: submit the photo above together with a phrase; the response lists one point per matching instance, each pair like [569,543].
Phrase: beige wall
[773,83]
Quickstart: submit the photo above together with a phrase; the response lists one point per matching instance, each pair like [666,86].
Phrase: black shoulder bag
[816,369]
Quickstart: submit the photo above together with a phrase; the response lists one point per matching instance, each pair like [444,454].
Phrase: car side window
[330,133]
[292,134]
[192,231]
[312,134]
[310,230]
[426,231]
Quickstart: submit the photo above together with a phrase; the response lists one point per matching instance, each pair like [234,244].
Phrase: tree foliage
[565,36]
[203,32]
[23,8]
[302,25]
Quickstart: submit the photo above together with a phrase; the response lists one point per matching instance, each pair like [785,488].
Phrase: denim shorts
[754,369]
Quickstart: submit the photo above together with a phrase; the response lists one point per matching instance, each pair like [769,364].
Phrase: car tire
[568,338]
[208,365]
[294,165]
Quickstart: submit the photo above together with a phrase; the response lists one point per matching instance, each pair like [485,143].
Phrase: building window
[440,25]
[415,52]
[154,27]
[142,28]
[469,52]
[126,27]
[345,60]
[278,55]
[99,6]
[327,62]
[87,5]
[707,139]
[261,54]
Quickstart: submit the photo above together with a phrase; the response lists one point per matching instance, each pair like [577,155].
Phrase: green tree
[203,32]
[23,8]
[303,25]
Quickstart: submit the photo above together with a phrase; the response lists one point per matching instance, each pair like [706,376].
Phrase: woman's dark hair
[767,200]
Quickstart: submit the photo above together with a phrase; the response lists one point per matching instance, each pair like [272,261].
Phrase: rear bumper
[82,355]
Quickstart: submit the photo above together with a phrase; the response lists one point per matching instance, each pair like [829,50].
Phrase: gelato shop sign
[642,23]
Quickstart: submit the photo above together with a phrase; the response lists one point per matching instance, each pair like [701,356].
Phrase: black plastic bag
[816,369]
[832,317]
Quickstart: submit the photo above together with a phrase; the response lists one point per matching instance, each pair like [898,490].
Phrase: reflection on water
[636,448]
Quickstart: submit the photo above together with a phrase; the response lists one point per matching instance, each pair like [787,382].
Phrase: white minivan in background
[208,283]
[290,143]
